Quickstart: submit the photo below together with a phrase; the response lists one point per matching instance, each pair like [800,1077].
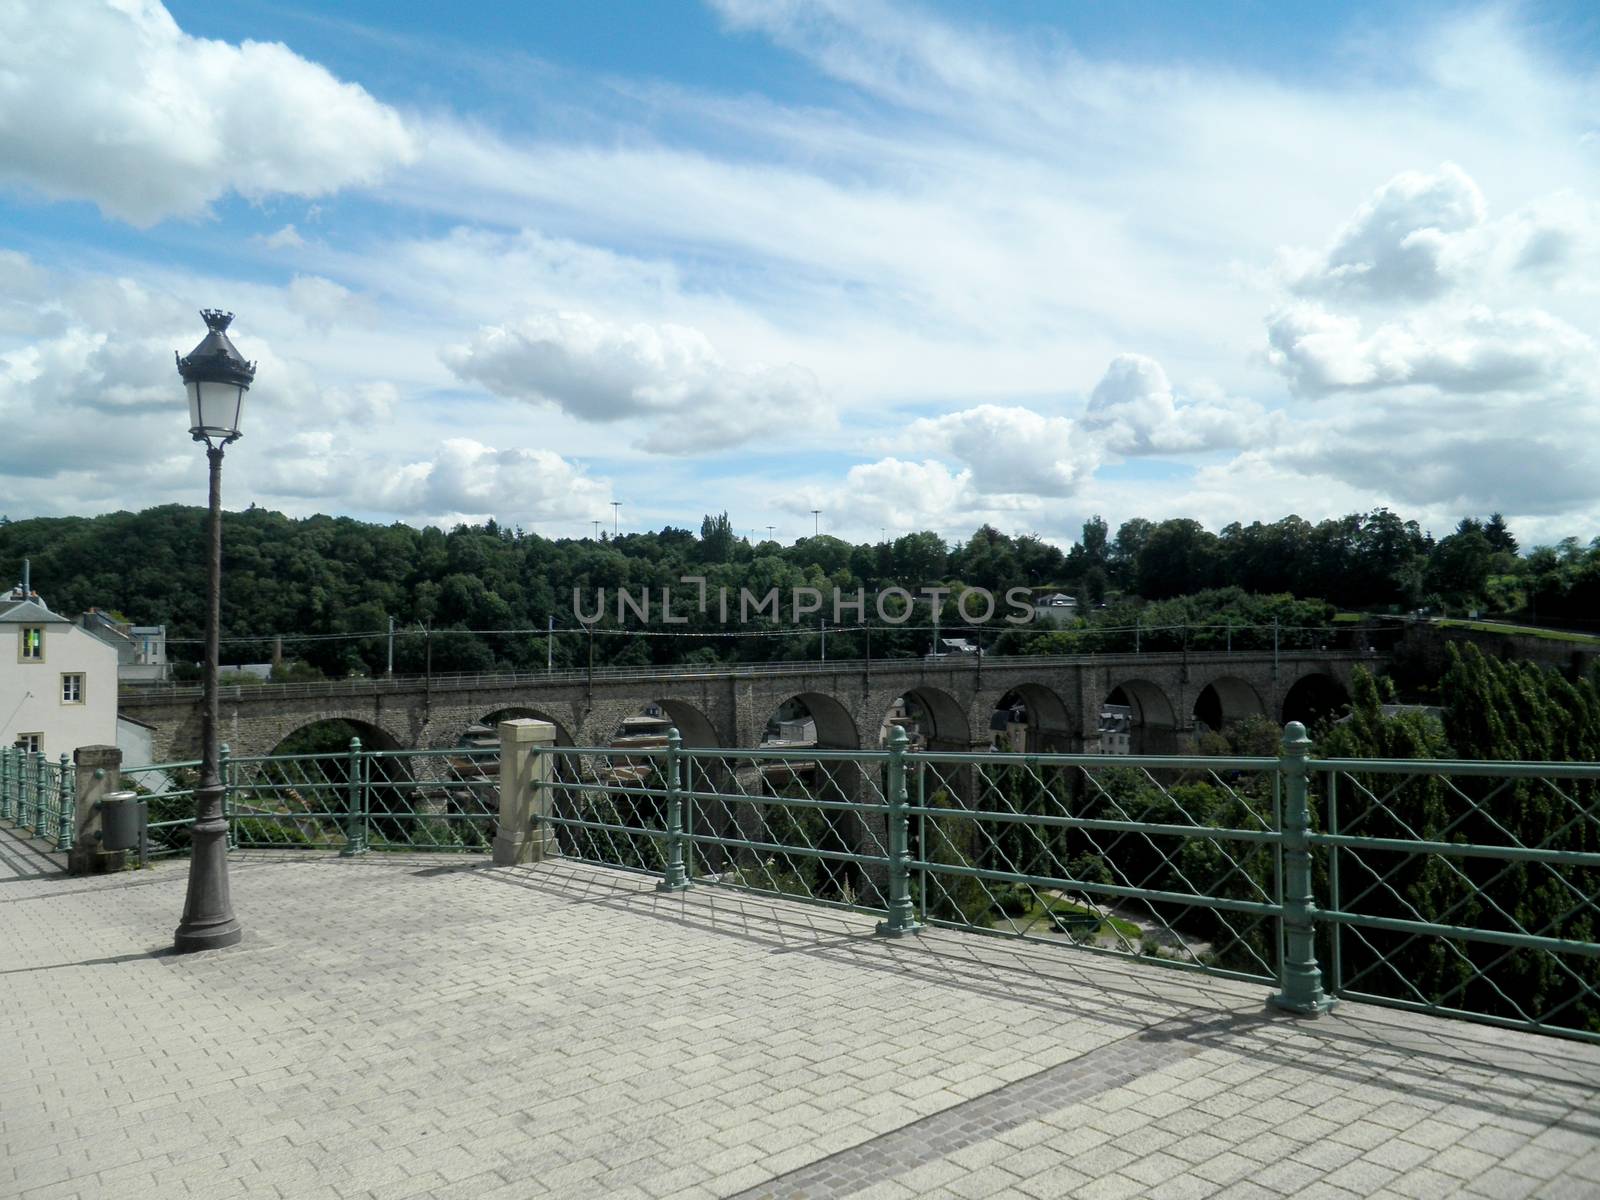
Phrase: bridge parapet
[730,705]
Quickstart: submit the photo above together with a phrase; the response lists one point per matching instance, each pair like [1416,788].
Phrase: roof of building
[30,612]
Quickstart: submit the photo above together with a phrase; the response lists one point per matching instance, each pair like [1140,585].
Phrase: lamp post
[216,377]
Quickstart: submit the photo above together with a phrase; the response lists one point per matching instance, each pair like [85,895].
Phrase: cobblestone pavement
[404,1026]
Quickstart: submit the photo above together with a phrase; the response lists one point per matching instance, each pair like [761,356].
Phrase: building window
[30,643]
[31,742]
[72,689]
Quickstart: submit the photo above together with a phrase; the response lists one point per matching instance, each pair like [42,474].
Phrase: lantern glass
[215,409]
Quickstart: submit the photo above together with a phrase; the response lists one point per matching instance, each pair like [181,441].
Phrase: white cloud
[109,101]
[286,238]
[1010,449]
[1404,243]
[1461,351]
[670,375]
[464,481]
[1133,410]
[901,494]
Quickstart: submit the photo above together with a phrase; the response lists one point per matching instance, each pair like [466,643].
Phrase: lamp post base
[190,938]
[208,921]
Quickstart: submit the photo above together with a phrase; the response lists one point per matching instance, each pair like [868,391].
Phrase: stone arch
[1226,700]
[512,712]
[1153,723]
[795,774]
[1049,727]
[1313,698]
[373,737]
[835,727]
[939,720]
[691,722]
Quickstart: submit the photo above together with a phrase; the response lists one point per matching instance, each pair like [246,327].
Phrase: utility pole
[550,646]
[390,670]
[427,655]
[822,627]
[1274,648]
[596,525]
[616,517]
[1136,624]
[770,528]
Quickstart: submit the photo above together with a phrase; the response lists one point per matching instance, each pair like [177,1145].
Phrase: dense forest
[329,585]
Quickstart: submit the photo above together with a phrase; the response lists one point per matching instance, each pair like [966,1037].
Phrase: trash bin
[122,821]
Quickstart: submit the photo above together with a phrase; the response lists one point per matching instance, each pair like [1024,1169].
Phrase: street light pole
[216,378]
[816,522]
[616,518]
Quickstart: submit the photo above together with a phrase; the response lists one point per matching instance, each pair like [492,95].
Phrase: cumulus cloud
[1134,410]
[1472,350]
[1405,242]
[907,495]
[669,374]
[110,101]
[1010,448]
[465,480]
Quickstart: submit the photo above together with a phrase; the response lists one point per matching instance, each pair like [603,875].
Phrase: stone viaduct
[730,706]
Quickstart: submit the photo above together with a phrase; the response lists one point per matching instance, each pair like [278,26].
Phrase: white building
[58,681]
[141,649]
[1116,729]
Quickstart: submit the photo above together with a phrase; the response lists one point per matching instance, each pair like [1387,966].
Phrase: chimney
[27,575]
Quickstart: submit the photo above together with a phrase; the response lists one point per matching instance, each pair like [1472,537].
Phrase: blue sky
[916,265]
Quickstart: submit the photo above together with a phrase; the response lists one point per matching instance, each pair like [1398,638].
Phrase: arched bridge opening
[1032,718]
[1314,700]
[1226,700]
[1137,717]
[932,718]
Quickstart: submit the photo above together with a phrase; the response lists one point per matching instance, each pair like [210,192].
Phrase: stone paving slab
[407,1026]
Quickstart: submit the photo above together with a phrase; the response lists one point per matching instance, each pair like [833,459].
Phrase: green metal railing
[37,796]
[1465,889]
[351,801]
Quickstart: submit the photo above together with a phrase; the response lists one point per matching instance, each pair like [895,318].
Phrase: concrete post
[99,770]
[523,834]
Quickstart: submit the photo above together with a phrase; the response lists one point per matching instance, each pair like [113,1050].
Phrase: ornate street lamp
[217,378]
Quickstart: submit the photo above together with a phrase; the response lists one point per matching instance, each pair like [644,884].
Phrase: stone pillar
[522,835]
[99,771]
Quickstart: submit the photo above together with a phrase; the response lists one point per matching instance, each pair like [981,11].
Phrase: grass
[1038,914]
[1548,635]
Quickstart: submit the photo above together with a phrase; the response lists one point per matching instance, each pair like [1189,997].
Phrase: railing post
[66,813]
[39,823]
[5,783]
[676,880]
[522,833]
[227,773]
[354,828]
[96,774]
[1299,976]
[902,913]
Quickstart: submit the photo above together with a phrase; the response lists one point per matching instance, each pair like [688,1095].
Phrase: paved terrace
[398,1026]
